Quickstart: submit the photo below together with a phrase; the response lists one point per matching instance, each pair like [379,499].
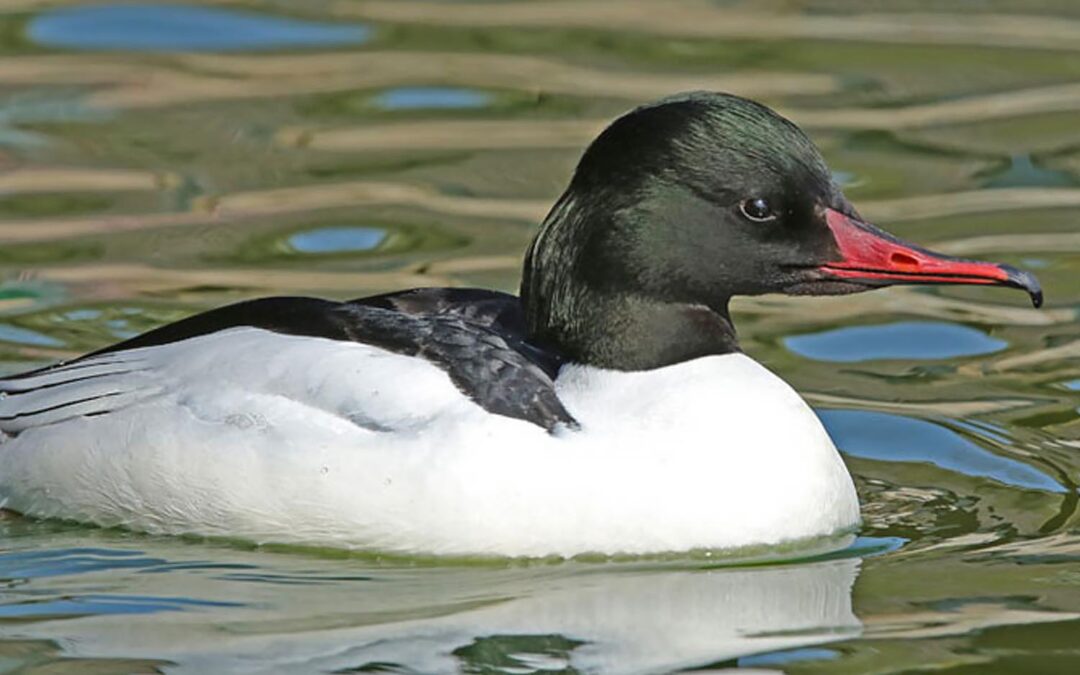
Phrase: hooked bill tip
[1026,281]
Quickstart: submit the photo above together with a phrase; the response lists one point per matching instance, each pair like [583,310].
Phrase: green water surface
[158,158]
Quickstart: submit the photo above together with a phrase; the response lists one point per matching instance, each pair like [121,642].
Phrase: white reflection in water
[607,618]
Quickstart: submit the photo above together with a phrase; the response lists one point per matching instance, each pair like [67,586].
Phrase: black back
[477,336]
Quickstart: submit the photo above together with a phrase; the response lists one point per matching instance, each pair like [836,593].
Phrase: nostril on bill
[903,260]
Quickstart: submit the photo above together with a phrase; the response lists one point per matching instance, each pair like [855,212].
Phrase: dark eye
[757,209]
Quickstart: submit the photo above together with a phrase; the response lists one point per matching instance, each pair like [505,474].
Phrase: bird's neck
[620,332]
[573,307]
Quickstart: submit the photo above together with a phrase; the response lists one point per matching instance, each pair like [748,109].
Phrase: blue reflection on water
[894,438]
[82,605]
[36,564]
[901,340]
[789,656]
[337,239]
[411,98]
[26,336]
[868,547]
[169,27]
[67,561]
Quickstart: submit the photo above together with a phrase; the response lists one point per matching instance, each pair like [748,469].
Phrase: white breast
[268,437]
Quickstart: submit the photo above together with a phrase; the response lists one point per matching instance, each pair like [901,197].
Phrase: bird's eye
[757,209]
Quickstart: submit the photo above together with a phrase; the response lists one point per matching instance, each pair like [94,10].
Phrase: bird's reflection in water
[658,622]
[601,622]
[263,613]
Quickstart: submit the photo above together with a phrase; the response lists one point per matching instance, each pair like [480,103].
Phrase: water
[157,159]
[911,340]
[164,27]
[337,239]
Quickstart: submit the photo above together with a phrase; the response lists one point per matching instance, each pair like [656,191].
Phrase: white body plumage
[269,437]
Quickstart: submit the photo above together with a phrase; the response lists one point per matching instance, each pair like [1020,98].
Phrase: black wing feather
[477,336]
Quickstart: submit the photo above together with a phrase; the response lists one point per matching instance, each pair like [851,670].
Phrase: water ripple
[900,340]
[895,438]
[171,27]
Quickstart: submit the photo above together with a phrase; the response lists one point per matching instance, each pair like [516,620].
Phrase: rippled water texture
[161,158]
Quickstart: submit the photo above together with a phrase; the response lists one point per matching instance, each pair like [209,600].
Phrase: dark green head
[684,203]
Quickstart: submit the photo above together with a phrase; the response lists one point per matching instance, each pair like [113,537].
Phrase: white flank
[268,437]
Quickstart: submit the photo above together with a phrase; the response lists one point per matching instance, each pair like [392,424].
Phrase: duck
[606,409]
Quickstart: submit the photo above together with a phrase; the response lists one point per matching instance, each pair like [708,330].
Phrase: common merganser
[607,409]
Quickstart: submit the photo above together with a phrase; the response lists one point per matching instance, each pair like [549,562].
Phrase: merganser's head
[678,206]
